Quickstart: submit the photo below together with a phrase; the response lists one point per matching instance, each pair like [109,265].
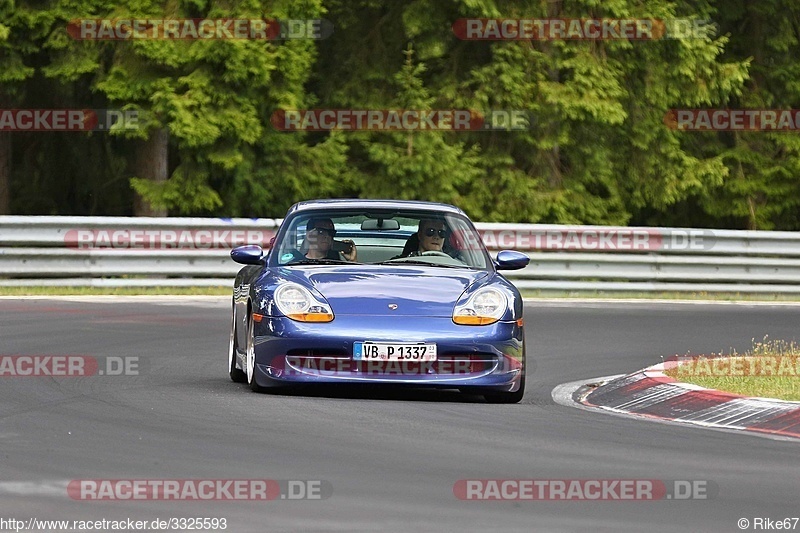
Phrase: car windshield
[444,240]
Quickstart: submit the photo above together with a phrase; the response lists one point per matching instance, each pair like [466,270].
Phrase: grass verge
[770,369]
[699,296]
[216,291]
[566,295]
[115,291]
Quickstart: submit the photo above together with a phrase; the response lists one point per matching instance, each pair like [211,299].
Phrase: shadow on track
[393,392]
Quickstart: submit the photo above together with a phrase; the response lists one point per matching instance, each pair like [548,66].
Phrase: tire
[508,397]
[237,375]
[250,357]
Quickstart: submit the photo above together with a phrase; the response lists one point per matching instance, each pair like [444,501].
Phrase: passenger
[319,241]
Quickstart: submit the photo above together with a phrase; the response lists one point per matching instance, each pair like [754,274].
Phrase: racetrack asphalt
[391,457]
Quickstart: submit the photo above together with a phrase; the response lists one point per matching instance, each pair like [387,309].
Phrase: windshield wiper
[417,262]
[309,261]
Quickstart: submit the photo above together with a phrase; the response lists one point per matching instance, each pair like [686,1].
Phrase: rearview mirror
[380,224]
[250,254]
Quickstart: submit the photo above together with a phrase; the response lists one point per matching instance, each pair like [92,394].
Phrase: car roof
[357,203]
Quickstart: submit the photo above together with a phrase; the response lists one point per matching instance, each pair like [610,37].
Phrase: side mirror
[511,260]
[251,254]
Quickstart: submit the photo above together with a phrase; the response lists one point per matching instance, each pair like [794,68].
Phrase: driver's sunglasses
[327,231]
[430,232]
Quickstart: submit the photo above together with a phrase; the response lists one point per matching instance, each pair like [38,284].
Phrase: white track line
[562,395]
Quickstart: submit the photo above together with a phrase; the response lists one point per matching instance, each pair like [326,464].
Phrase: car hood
[370,290]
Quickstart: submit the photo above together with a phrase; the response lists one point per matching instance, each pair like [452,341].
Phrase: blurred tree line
[599,151]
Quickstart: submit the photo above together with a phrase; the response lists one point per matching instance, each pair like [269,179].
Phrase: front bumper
[288,352]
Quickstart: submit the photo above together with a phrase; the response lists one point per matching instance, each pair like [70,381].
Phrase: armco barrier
[123,251]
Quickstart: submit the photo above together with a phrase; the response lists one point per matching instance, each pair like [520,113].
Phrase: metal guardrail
[123,251]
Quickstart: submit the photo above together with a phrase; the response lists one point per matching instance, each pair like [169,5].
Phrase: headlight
[484,307]
[297,303]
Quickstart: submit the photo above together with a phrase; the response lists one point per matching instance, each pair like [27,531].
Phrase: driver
[431,234]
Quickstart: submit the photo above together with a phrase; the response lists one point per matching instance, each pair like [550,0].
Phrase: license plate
[394,351]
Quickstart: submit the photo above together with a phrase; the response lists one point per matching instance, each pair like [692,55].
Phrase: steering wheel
[435,254]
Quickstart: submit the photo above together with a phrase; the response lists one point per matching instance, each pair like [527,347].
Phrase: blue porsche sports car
[378,291]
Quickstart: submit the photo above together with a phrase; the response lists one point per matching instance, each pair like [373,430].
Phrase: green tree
[416,165]
[598,150]
[763,188]
[15,44]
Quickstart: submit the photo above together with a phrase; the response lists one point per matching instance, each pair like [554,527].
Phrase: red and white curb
[651,393]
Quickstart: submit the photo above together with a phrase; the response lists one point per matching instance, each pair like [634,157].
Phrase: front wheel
[508,397]
[250,358]
[237,375]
